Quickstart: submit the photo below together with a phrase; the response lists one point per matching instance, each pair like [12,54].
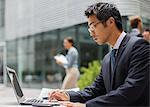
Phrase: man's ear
[110,22]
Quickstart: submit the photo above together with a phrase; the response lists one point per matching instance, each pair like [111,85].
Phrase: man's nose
[92,33]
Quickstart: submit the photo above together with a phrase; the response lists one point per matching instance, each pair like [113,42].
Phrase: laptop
[19,93]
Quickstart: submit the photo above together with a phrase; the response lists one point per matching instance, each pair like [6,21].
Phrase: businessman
[136,26]
[124,77]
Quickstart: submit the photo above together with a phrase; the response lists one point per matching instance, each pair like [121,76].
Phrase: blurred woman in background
[71,68]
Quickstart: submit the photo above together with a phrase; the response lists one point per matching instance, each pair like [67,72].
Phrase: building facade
[34,32]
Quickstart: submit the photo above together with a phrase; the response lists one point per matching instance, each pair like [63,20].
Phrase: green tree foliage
[89,74]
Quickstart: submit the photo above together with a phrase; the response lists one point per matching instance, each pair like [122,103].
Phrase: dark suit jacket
[135,33]
[128,85]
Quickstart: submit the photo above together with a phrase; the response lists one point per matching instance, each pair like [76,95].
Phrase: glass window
[1,17]
[2,34]
[26,62]
[1,4]
[39,53]
[11,49]
[146,23]
[88,48]
[51,69]
[12,54]
[23,60]
[1,63]
[124,23]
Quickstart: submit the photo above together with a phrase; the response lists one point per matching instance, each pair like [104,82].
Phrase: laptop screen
[15,83]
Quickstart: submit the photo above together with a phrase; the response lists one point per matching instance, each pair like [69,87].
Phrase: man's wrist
[67,95]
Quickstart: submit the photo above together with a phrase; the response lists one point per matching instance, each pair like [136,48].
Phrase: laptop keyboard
[33,101]
[40,103]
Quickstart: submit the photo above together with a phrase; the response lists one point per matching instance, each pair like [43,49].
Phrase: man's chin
[99,42]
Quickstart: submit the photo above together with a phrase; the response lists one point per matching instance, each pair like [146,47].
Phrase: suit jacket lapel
[106,69]
[119,54]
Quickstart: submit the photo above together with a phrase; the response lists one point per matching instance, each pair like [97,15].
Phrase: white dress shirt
[119,40]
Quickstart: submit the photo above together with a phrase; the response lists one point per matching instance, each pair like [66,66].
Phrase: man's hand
[70,104]
[59,95]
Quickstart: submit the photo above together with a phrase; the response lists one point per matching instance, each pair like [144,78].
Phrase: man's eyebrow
[91,23]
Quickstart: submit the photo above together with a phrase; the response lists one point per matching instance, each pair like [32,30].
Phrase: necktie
[113,59]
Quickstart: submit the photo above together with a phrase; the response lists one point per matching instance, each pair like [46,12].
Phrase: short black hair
[70,40]
[147,30]
[103,12]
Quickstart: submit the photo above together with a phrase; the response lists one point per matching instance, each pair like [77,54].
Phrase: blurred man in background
[146,34]
[136,26]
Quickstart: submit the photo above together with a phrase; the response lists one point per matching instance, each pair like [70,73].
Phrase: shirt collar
[119,40]
[135,30]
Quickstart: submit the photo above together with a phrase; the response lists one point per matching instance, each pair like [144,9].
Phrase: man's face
[146,35]
[99,32]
